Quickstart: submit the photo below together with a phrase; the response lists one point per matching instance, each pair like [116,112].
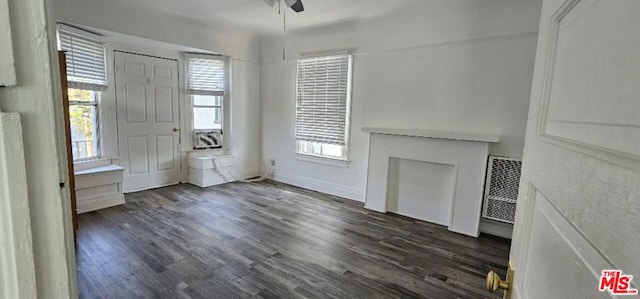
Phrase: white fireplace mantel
[435,176]
[438,134]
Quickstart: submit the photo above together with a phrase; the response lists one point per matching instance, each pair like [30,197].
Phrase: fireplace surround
[435,176]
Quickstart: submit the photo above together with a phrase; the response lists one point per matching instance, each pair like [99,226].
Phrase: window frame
[299,144]
[225,103]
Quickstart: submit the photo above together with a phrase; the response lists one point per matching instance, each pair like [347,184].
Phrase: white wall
[131,18]
[149,31]
[38,99]
[450,65]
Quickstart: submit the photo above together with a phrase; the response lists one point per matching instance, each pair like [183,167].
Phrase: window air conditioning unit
[501,189]
[204,139]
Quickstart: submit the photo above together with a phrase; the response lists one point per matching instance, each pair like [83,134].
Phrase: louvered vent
[501,191]
[203,139]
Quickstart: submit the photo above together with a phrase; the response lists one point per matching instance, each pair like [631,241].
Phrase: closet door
[147,112]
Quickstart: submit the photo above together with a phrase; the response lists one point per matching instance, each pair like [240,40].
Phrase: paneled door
[578,210]
[147,112]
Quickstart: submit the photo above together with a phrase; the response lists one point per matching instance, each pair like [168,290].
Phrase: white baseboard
[320,186]
[213,177]
[85,205]
[496,228]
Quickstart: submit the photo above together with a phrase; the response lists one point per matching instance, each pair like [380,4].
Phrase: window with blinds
[206,81]
[86,67]
[85,57]
[322,110]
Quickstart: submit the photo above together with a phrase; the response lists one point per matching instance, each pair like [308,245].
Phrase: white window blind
[86,67]
[206,76]
[322,99]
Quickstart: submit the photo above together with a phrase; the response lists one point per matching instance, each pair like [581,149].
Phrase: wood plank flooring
[270,240]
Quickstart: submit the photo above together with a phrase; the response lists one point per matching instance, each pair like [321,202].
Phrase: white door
[579,204]
[147,111]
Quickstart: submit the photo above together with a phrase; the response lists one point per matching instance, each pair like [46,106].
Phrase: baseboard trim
[85,205]
[496,228]
[320,186]
[149,188]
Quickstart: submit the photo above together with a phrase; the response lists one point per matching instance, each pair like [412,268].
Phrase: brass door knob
[495,283]
[176,129]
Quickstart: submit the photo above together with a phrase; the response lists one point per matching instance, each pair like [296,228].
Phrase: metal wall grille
[501,190]
[203,139]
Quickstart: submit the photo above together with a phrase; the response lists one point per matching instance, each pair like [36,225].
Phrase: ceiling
[258,16]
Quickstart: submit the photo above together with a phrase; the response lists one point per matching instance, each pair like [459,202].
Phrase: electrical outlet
[273,162]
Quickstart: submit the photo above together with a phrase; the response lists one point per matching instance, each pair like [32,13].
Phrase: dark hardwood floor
[270,240]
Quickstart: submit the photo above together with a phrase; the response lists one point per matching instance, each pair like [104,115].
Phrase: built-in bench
[99,187]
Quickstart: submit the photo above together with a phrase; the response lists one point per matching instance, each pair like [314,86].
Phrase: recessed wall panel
[138,154]
[553,248]
[162,72]
[133,68]
[166,152]
[136,102]
[595,64]
[163,104]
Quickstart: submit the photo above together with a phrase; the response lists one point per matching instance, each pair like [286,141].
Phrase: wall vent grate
[204,139]
[501,189]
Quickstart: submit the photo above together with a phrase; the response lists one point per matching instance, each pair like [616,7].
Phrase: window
[83,114]
[207,112]
[323,98]
[207,87]
[87,77]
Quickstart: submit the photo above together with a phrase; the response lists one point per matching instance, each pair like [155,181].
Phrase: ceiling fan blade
[296,5]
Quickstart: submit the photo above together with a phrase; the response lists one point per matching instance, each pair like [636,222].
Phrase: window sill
[335,162]
[99,170]
[86,164]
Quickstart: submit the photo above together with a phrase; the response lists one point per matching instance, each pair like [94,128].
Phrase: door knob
[176,129]
[494,282]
